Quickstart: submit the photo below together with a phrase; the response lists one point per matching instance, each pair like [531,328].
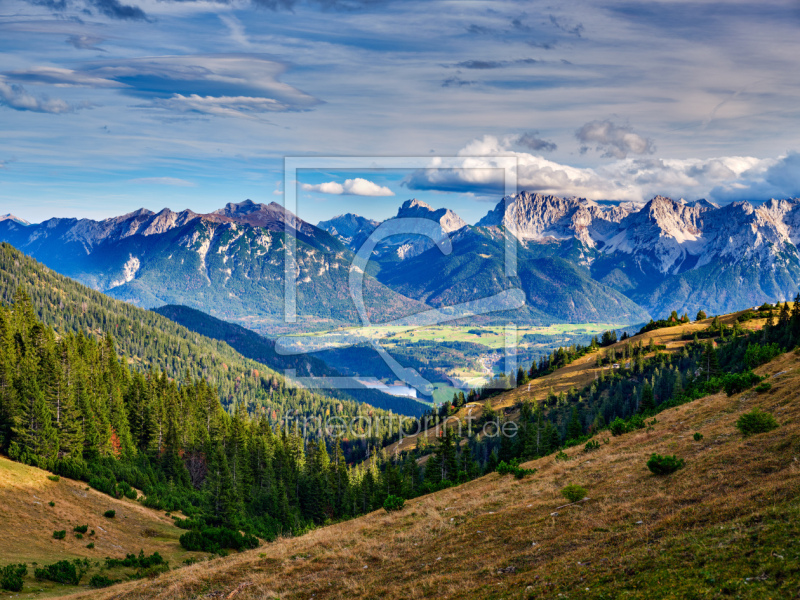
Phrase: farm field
[468,354]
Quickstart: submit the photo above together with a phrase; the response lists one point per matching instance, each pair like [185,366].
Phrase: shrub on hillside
[11,577]
[63,571]
[756,421]
[110,514]
[697,437]
[573,493]
[734,383]
[60,535]
[54,478]
[101,581]
[393,503]
[137,562]
[664,465]
[763,387]
[618,427]
[215,539]
[591,445]
[514,469]
[81,529]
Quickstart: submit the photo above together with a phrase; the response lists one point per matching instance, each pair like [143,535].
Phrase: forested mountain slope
[261,349]
[70,405]
[724,525]
[151,341]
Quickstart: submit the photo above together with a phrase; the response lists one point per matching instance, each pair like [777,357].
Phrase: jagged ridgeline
[149,341]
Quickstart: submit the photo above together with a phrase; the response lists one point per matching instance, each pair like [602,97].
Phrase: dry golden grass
[27,522]
[497,537]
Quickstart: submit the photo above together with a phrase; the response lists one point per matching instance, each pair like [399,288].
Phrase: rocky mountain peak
[272,216]
[417,209]
[11,218]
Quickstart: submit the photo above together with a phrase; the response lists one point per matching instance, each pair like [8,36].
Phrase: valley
[177,412]
[463,356]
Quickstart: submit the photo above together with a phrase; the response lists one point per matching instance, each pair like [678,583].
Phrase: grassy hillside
[27,522]
[726,525]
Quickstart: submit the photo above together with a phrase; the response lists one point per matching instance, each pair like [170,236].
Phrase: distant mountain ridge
[229,263]
[578,260]
[664,254]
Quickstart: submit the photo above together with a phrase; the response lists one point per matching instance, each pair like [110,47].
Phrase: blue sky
[110,105]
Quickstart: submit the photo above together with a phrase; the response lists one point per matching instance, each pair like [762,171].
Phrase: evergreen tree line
[69,404]
[151,342]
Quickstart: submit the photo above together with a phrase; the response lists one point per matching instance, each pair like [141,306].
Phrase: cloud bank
[723,179]
[17,97]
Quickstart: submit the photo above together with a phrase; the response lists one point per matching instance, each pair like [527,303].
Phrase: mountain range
[577,260]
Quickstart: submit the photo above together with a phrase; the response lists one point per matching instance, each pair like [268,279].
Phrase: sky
[107,106]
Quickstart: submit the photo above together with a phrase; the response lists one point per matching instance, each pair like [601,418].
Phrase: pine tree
[709,361]
[647,401]
[574,427]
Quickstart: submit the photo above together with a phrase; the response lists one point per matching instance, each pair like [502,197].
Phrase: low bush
[734,383]
[215,539]
[756,421]
[101,581]
[393,503]
[562,456]
[764,386]
[54,478]
[591,445]
[137,562]
[618,427]
[90,545]
[60,535]
[11,577]
[63,571]
[697,437]
[664,465]
[514,469]
[51,503]
[110,514]
[573,493]
[81,529]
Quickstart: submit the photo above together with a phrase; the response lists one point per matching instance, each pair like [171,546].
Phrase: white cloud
[61,78]
[17,97]
[722,178]
[351,187]
[173,181]
[222,106]
[614,141]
